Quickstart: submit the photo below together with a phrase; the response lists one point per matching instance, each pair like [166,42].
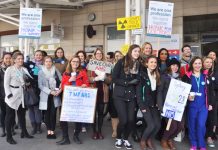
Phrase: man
[185,60]
[110,57]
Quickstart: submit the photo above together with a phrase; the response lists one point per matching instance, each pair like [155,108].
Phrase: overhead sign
[176,99]
[30,23]
[160,17]
[124,49]
[78,104]
[129,23]
[102,66]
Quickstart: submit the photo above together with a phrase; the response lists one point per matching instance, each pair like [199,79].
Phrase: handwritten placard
[100,65]
[176,99]
[78,104]
[160,17]
[30,23]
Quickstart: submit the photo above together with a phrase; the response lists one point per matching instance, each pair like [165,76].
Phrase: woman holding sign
[99,80]
[147,101]
[172,72]
[199,102]
[125,76]
[75,76]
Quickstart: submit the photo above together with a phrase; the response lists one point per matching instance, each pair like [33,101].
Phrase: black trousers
[126,115]
[111,108]
[3,113]
[64,127]
[212,120]
[10,117]
[153,121]
[50,114]
[99,116]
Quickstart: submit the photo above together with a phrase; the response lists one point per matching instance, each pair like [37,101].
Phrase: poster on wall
[30,23]
[78,104]
[160,17]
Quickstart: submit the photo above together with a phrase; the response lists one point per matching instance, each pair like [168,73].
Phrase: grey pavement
[39,142]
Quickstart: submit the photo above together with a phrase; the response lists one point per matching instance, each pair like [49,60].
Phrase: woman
[33,68]
[147,100]
[125,78]
[172,72]
[5,64]
[117,56]
[14,82]
[199,102]
[60,60]
[211,119]
[74,76]
[82,56]
[99,80]
[163,59]
[146,51]
[49,79]
[212,54]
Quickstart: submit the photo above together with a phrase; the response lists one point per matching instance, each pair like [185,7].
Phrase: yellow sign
[129,23]
[124,49]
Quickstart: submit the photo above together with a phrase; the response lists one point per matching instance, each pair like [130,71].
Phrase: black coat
[163,89]
[209,87]
[2,90]
[145,96]
[123,91]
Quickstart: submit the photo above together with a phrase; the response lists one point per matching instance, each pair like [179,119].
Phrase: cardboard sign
[30,23]
[78,104]
[100,65]
[176,99]
[129,23]
[160,17]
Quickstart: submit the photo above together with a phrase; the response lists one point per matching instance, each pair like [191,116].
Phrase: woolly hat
[174,61]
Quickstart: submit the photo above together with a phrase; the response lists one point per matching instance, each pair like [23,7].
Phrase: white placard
[100,65]
[160,17]
[78,104]
[137,31]
[30,23]
[176,99]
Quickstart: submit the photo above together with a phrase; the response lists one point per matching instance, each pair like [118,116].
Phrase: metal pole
[143,7]
[21,39]
[26,41]
[127,32]
[37,40]
[138,13]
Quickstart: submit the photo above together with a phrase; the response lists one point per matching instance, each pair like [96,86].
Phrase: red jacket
[82,78]
[184,70]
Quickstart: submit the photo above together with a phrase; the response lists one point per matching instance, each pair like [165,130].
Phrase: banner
[78,104]
[102,66]
[176,99]
[129,23]
[160,17]
[30,23]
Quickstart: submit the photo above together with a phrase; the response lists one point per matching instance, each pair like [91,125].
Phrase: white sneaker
[119,143]
[83,129]
[127,144]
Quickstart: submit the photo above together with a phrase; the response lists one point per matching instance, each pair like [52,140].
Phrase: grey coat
[43,84]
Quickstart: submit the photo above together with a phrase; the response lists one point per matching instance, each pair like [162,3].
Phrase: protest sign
[78,104]
[30,23]
[100,65]
[129,23]
[160,17]
[176,99]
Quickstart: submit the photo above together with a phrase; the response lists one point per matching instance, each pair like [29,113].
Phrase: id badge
[198,94]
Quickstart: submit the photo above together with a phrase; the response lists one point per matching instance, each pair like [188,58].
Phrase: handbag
[30,97]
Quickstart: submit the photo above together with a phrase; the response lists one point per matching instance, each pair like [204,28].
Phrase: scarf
[152,80]
[135,68]
[59,60]
[38,62]
[50,76]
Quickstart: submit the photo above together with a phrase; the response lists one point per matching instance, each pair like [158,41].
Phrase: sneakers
[83,129]
[193,148]
[127,144]
[210,143]
[119,143]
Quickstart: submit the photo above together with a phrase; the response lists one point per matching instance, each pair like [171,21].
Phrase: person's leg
[10,116]
[32,119]
[47,114]
[201,126]
[65,140]
[192,120]
[78,127]
[53,112]
[38,118]
[3,114]
[95,135]
[100,120]
[156,119]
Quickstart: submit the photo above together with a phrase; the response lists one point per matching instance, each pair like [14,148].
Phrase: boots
[114,122]
[164,145]
[25,134]
[142,144]
[34,128]
[38,128]
[150,144]
[171,144]
[3,132]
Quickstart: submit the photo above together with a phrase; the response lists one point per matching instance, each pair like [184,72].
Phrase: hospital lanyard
[198,80]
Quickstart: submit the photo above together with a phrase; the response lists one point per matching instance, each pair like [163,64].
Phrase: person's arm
[7,81]
[85,79]
[65,80]
[160,89]
[42,87]
[141,99]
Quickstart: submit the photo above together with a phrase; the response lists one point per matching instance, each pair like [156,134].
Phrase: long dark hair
[128,61]
[156,71]
[193,61]
[158,58]
[55,53]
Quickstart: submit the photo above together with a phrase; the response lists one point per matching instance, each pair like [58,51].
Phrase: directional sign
[174,52]
[129,23]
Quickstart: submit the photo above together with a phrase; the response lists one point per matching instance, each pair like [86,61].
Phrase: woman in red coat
[75,76]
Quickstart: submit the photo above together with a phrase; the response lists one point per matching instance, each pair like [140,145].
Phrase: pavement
[39,142]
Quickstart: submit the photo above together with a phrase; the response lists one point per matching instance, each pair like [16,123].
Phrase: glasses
[98,53]
[75,62]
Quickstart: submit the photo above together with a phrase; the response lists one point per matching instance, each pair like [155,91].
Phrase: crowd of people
[139,81]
